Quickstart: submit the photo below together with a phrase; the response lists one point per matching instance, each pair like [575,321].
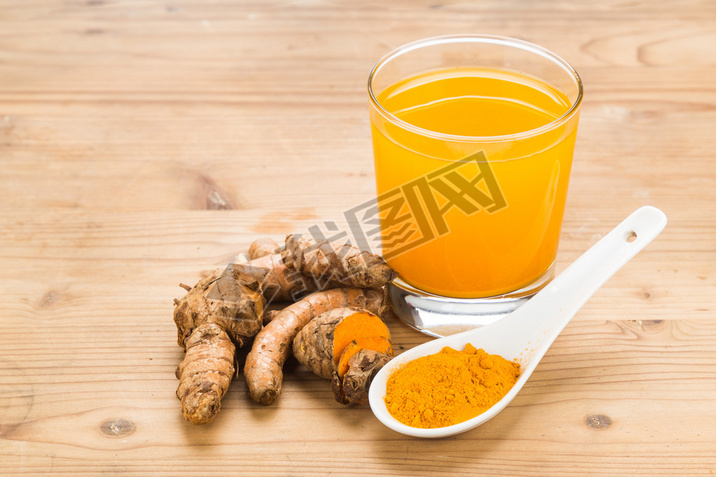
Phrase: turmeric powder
[448,387]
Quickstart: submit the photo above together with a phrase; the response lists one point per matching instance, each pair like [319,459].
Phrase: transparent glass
[473,139]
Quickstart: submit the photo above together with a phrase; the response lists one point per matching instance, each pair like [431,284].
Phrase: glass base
[440,316]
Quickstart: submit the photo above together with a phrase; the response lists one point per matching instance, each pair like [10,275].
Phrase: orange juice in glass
[473,139]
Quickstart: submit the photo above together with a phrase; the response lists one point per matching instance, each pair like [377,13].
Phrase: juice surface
[500,236]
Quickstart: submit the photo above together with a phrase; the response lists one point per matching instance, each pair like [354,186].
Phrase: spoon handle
[564,296]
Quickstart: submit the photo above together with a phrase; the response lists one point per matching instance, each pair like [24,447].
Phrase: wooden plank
[144,143]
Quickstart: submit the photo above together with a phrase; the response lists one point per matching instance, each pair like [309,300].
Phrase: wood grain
[145,142]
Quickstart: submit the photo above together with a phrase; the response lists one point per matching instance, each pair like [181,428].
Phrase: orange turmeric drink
[472,164]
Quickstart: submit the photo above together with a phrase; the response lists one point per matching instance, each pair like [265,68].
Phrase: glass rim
[474,38]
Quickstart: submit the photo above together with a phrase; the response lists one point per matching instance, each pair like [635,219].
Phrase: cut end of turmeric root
[380,344]
[353,386]
[348,346]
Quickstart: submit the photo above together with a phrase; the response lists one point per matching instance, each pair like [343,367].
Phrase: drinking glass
[473,138]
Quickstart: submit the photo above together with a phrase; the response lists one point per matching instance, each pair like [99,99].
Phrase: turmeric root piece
[222,311]
[379,343]
[278,282]
[206,372]
[272,346]
[353,387]
[243,257]
[320,344]
[348,346]
[262,247]
[227,298]
[269,315]
[343,263]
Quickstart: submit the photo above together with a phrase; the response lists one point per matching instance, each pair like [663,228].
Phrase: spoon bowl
[526,334]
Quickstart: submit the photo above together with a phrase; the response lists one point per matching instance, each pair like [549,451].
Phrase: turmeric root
[243,257]
[334,261]
[262,247]
[348,346]
[206,372]
[380,343]
[278,282]
[222,310]
[272,346]
[269,315]
[320,344]
[227,298]
[353,387]
[305,266]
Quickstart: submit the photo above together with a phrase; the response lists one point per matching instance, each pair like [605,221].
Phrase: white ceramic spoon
[527,333]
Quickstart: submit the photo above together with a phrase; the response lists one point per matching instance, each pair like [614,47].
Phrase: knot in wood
[49,299]
[598,421]
[650,326]
[117,428]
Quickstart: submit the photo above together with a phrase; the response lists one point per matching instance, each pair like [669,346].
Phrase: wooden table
[143,143]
